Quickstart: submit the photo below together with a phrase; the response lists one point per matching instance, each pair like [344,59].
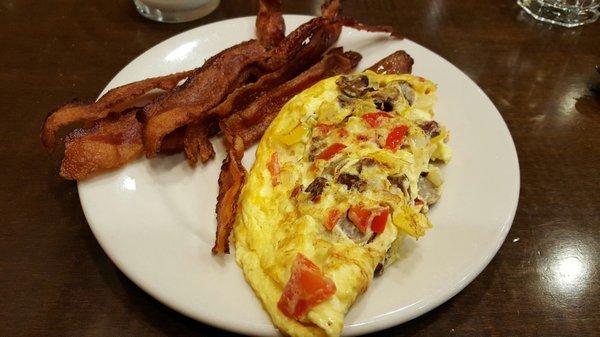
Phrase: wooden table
[56,280]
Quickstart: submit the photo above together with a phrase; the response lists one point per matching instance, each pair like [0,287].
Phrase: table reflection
[567,272]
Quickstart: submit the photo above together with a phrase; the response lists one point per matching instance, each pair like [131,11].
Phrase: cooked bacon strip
[116,100]
[250,123]
[399,62]
[196,142]
[243,96]
[293,43]
[173,142]
[331,9]
[109,144]
[231,181]
[322,39]
[203,90]
[353,23]
[270,27]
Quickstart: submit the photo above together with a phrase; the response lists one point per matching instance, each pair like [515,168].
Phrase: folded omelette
[343,174]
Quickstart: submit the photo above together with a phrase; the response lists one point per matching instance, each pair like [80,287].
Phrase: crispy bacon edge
[398,62]
[231,181]
[292,44]
[196,142]
[353,23]
[331,9]
[115,100]
[270,26]
[110,143]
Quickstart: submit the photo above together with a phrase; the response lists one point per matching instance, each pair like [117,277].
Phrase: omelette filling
[344,173]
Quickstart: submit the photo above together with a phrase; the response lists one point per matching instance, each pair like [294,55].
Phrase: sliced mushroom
[345,100]
[316,145]
[384,105]
[352,181]
[354,86]
[316,188]
[431,128]
[427,191]
[384,98]
[335,166]
[407,92]
[365,162]
[400,181]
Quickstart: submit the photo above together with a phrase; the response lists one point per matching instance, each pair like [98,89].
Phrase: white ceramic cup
[175,10]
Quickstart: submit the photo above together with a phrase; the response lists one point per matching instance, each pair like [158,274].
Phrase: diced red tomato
[332,218]
[375,119]
[363,218]
[396,137]
[331,150]
[379,221]
[274,169]
[360,217]
[325,128]
[306,288]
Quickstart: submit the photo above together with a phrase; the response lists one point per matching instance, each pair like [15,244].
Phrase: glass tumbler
[175,10]
[567,13]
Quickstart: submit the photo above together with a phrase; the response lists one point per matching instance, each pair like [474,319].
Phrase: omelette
[345,173]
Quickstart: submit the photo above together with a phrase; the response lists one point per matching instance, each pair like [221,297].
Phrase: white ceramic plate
[155,218]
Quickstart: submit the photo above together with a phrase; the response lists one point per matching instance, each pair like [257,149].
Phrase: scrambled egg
[342,158]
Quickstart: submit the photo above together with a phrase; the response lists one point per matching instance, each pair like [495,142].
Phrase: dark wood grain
[56,280]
